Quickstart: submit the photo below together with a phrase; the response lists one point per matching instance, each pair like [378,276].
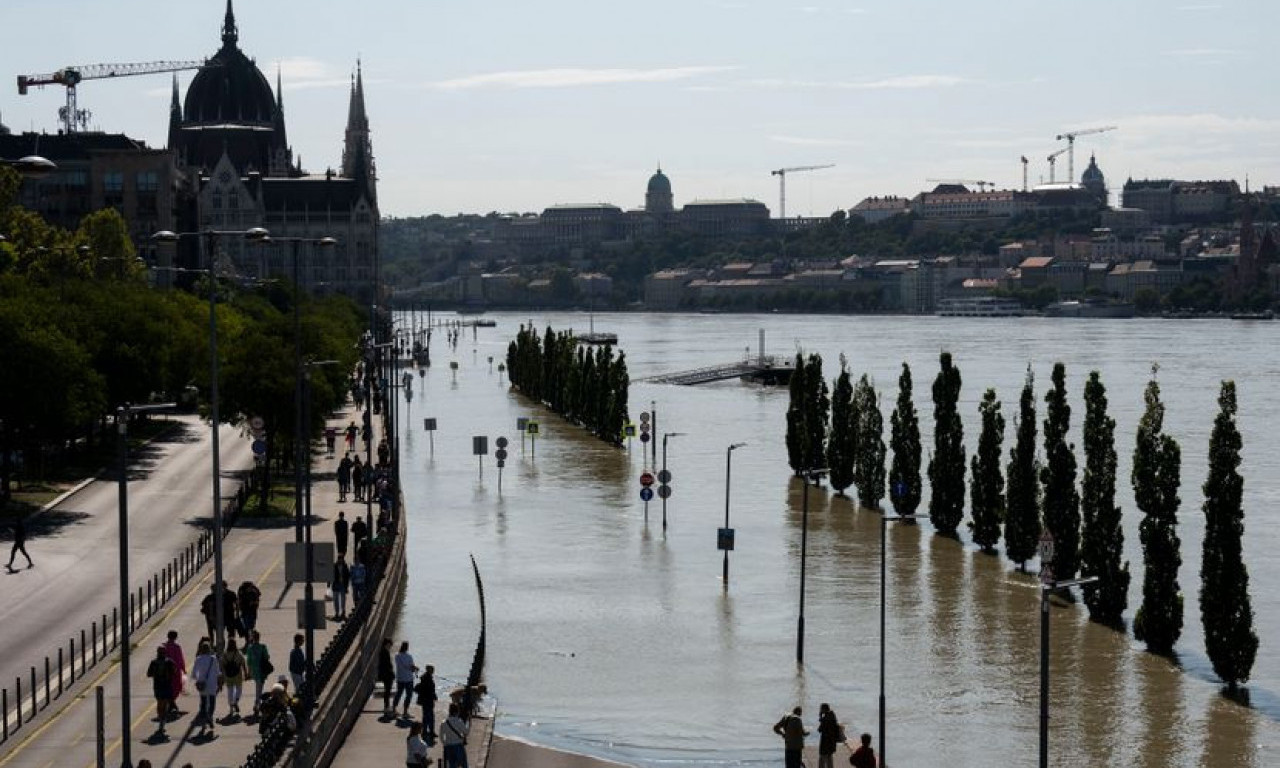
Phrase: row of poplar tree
[585,386]
[841,429]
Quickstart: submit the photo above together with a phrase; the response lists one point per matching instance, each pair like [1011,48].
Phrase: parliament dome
[231,89]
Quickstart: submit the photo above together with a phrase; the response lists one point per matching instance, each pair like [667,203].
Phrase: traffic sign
[644,437]
[644,427]
[256,423]
[664,491]
[500,455]
[522,423]
[501,463]
[664,476]
[1046,547]
[1046,574]
[646,479]
[429,425]
[644,417]
[502,443]
[724,539]
[629,430]
[646,494]
[480,445]
[532,427]
[260,447]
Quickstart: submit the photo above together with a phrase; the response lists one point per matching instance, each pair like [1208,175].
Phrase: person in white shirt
[417,748]
[453,735]
[405,670]
[207,676]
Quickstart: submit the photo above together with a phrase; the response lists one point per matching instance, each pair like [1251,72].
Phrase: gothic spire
[357,150]
[175,116]
[230,34]
[279,91]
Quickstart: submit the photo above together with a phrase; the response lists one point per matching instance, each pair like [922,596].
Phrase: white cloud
[902,82]
[574,77]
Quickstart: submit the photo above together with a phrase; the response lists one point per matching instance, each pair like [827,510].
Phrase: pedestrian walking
[258,659]
[405,670]
[359,530]
[344,477]
[162,671]
[234,668]
[828,736]
[208,679]
[791,729]
[427,697]
[453,734]
[351,436]
[386,675]
[248,598]
[416,756]
[331,439]
[174,652]
[339,586]
[340,533]
[357,478]
[19,543]
[359,578]
[298,663]
[230,610]
[864,756]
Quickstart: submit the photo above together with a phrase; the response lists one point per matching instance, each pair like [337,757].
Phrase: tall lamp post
[663,476]
[209,238]
[309,595]
[728,469]
[809,476]
[884,524]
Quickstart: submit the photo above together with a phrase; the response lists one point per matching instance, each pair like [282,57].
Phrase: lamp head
[34,166]
[256,234]
[165,236]
[325,242]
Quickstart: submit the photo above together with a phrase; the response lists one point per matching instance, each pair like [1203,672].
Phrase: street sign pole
[501,456]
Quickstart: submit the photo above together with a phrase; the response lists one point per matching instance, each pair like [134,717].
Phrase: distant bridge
[765,371]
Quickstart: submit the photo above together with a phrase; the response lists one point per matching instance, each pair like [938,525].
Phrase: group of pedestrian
[239,609]
[830,735]
[353,476]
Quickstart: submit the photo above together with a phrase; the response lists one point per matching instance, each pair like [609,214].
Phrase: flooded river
[611,636]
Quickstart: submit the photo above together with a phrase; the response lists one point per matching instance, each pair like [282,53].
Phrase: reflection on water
[612,636]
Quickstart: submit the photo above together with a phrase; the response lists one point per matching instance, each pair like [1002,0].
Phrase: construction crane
[980,184]
[74,119]
[1053,159]
[781,173]
[1024,173]
[1070,136]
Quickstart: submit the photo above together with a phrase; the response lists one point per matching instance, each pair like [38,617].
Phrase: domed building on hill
[657,198]
[1093,180]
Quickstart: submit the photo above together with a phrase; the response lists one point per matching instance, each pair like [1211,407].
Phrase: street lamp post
[31,166]
[884,524]
[809,476]
[309,594]
[728,469]
[208,238]
[663,474]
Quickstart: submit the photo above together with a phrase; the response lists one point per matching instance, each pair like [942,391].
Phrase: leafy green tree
[104,239]
[797,441]
[840,443]
[947,465]
[869,467]
[1225,609]
[987,486]
[817,412]
[1022,516]
[1061,500]
[904,471]
[1102,542]
[1156,477]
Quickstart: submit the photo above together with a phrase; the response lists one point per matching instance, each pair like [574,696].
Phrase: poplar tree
[869,467]
[904,472]
[1156,478]
[946,466]
[1022,515]
[1102,539]
[1225,609]
[1061,500]
[840,446]
[796,439]
[987,486]
[817,413]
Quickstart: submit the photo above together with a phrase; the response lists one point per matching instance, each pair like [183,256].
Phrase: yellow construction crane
[781,173]
[1070,136]
[980,184]
[1053,160]
[74,119]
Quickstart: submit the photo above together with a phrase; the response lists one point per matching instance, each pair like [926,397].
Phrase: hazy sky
[513,106]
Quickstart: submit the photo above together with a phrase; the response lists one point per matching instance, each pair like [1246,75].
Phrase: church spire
[175,116]
[230,34]
[279,91]
[357,149]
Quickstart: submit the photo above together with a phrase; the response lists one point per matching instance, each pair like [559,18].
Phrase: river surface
[611,636]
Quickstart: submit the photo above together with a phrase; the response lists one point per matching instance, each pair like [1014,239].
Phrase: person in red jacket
[864,756]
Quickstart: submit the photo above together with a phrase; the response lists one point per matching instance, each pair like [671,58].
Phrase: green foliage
[1061,501]
[1146,300]
[817,412]
[1156,477]
[987,486]
[869,466]
[1225,609]
[1102,540]
[103,238]
[1022,516]
[947,465]
[797,443]
[842,442]
[904,471]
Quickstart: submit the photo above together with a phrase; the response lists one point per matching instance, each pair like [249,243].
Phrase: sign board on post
[664,491]
[646,494]
[317,613]
[295,561]
[256,423]
[259,447]
[664,476]
[521,423]
[480,445]
[724,539]
[629,430]
[646,479]
[532,427]
[429,425]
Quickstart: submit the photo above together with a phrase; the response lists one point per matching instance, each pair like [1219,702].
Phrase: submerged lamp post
[728,469]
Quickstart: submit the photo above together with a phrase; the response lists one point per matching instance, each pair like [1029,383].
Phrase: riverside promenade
[65,733]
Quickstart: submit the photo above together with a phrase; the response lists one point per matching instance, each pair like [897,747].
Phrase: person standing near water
[791,729]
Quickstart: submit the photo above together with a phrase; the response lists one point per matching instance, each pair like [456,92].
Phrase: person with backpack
[864,756]
[258,660]
[208,679]
[828,736]
[234,668]
[453,734]
[791,729]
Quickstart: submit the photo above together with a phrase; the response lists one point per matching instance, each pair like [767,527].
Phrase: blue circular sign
[646,494]
[260,447]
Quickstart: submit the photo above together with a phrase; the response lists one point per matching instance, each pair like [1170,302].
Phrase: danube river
[611,636]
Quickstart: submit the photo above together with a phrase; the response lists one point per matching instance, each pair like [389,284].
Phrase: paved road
[74,545]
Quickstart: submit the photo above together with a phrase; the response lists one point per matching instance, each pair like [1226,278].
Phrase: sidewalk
[254,551]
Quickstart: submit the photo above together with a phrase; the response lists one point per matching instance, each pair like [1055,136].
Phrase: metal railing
[61,671]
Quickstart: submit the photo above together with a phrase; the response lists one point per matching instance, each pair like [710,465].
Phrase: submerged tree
[869,467]
[946,467]
[817,413]
[840,443]
[1156,476]
[1102,538]
[1061,500]
[796,439]
[904,472]
[987,486]
[1022,513]
[1225,609]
